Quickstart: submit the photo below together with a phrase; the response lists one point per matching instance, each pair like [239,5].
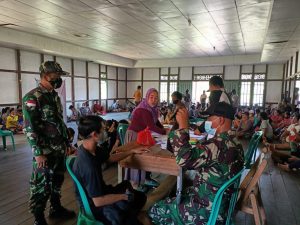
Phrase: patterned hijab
[144,105]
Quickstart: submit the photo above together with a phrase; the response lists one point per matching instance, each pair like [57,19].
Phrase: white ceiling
[284,26]
[152,29]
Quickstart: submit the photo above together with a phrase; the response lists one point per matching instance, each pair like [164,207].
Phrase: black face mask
[56,83]
[175,101]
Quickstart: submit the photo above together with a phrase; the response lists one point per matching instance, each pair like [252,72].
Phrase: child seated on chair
[12,122]
[109,204]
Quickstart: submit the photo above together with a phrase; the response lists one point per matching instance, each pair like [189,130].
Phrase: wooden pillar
[106,87]
[117,85]
[99,65]
[19,75]
[72,83]
[252,86]
[291,73]
[126,84]
[87,80]
[142,83]
[265,85]
[295,77]
[282,84]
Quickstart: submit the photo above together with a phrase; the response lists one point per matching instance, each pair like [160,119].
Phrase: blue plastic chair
[250,155]
[233,183]
[85,217]
[7,133]
[122,128]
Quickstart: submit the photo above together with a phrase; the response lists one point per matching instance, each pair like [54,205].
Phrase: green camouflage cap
[52,67]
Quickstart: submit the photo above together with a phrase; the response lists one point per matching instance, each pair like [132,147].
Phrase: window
[198,88]
[173,87]
[252,89]
[297,85]
[168,84]
[258,93]
[103,89]
[205,77]
[163,91]
[200,84]
[245,93]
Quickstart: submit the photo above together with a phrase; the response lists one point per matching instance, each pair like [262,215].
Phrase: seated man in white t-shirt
[266,127]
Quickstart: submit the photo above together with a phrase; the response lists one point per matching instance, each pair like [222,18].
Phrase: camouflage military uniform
[47,135]
[215,161]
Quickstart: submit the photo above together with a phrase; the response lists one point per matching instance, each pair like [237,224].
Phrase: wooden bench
[250,201]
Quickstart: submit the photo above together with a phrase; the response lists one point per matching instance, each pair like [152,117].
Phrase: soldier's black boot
[61,213]
[40,219]
[57,211]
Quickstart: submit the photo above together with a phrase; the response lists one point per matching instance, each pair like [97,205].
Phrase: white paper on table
[160,139]
[168,126]
[198,137]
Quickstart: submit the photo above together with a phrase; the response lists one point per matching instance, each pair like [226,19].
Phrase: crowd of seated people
[12,119]
[96,109]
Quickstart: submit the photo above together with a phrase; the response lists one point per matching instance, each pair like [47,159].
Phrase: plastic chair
[250,155]
[122,128]
[85,217]
[234,183]
[7,133]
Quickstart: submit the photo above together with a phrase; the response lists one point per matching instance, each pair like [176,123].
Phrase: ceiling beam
[22,40]
[203,61]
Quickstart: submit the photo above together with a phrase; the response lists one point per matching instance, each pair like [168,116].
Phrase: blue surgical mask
[209,130]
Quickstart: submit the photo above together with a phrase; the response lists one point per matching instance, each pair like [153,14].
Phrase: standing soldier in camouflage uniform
[215,161]
[47,136]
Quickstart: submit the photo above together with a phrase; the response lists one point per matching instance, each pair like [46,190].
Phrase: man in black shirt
[117,205]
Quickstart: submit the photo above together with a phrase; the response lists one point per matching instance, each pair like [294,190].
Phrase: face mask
[175,101]
[103,137]
[56,83]
[209,130]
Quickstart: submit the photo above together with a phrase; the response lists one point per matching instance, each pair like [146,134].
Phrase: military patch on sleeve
[30,104]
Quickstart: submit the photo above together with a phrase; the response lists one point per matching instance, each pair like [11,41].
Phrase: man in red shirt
[97,108]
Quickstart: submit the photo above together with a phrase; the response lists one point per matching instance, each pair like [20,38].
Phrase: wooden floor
[280,191]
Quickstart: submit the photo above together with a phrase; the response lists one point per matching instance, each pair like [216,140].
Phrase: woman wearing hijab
[145,115]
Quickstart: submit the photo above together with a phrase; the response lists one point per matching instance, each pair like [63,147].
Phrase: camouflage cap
[52,67]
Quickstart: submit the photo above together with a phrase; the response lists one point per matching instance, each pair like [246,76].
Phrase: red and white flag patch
[30,103]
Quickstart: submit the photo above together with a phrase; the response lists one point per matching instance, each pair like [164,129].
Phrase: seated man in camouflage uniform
[47,135]
[215,161]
